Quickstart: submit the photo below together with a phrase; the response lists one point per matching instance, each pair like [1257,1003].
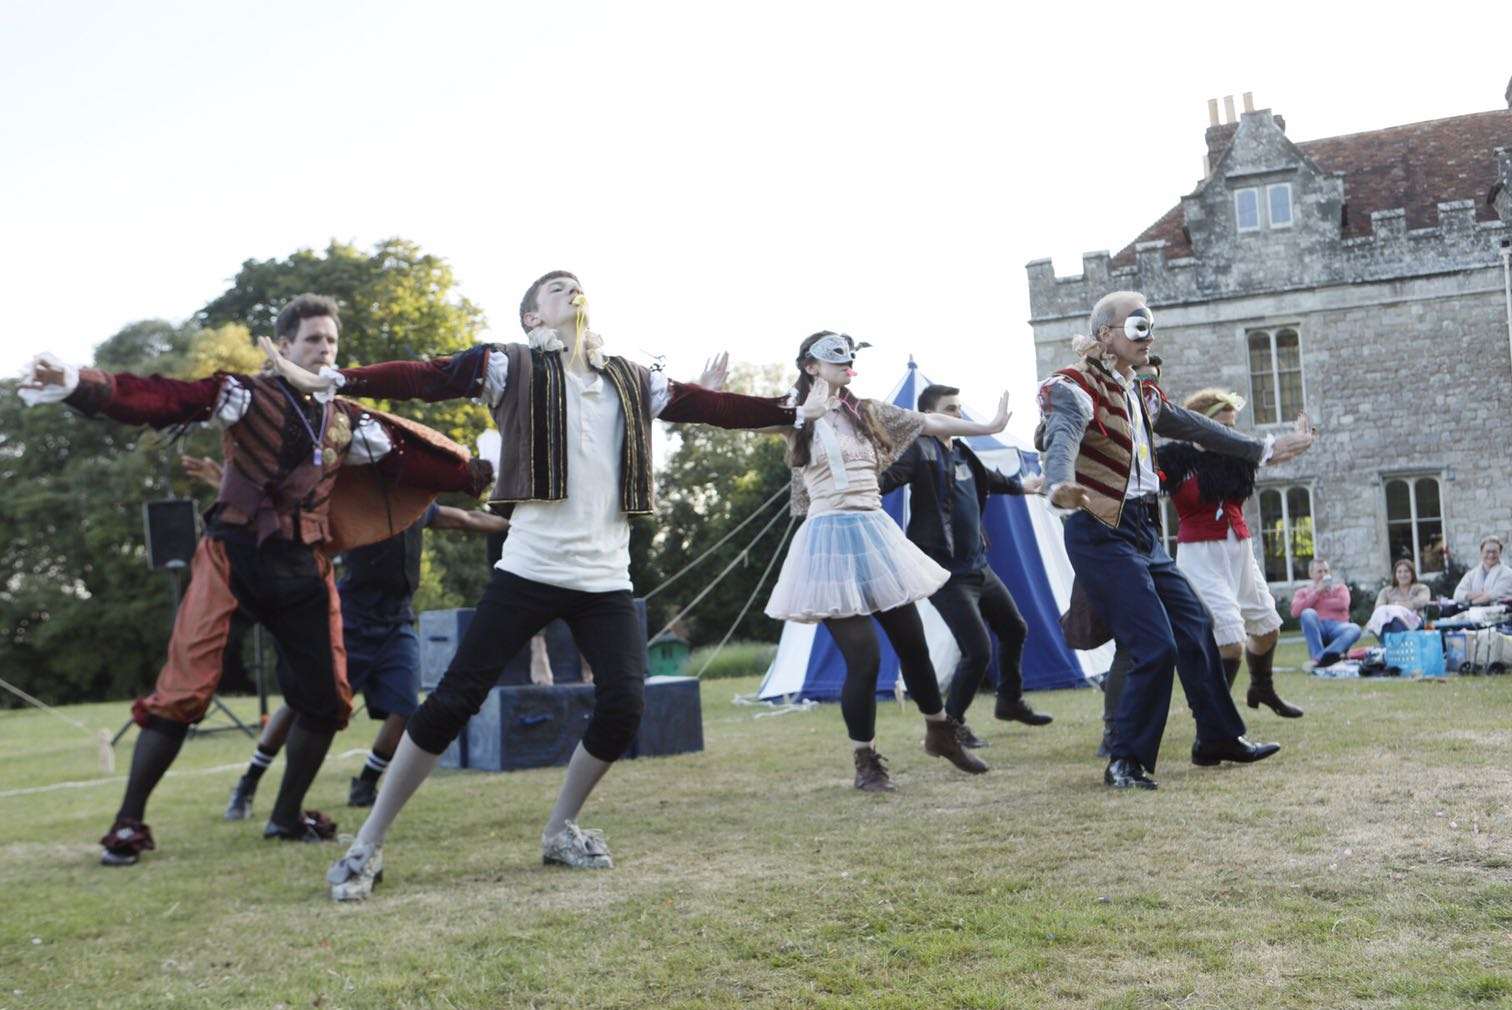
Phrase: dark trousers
[286,587]
[970,605]
[1159,622]
[857,641]
[605,628]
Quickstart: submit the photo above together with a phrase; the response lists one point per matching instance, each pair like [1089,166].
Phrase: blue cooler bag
[1416,653]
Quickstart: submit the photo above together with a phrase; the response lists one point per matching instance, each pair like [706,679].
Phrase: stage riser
[442,630]
[537,727]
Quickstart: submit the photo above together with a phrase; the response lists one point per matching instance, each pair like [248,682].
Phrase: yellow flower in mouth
[580,300]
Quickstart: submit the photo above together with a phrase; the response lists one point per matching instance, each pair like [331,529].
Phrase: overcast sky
[719,175]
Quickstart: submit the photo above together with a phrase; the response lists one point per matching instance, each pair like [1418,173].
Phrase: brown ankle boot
[1262,690]
[871,772]
[940,740]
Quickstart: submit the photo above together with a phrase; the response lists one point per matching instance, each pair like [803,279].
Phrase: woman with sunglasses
[849,562]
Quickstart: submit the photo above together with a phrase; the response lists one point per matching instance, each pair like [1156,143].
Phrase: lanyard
[325,420]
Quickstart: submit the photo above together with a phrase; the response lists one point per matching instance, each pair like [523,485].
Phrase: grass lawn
[1367,865]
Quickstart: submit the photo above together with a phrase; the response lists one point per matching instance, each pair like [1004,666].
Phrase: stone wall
[1407,376]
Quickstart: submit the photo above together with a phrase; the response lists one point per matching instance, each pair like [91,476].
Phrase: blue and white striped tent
[1027,553]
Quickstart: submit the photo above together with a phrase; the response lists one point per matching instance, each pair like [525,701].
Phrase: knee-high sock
[1230,670]
[583,773]
[411,766]
[156,747]
[305,752]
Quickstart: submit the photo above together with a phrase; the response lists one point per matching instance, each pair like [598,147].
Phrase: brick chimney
[1220,135]
[1218,140]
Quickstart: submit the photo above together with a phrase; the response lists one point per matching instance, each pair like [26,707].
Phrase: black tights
[857,643]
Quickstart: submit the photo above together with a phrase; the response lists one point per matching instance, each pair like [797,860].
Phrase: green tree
[712,481]
[81,614]
[397,303]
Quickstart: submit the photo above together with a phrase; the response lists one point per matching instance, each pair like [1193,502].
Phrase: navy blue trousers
[1159,622]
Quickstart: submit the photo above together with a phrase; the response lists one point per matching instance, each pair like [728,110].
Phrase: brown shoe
[871,772]
[968,739]
[940,740]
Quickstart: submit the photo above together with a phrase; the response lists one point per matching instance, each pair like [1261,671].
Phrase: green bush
[737,659]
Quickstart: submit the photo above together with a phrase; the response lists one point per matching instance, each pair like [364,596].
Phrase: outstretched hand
[1295,442]
[301,379]
[1033,485]
[1000,419]
[1070,496]
[715,371]
[43,375]
[817,404]
[203,469]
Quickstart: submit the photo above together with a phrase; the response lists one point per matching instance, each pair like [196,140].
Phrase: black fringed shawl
[1219,478]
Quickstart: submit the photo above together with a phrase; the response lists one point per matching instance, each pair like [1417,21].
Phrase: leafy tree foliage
[712,481]
[81,615]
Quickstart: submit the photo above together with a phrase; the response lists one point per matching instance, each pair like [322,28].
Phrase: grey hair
[1106,309]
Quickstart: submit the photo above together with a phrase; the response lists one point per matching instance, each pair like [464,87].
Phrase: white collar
[545,339]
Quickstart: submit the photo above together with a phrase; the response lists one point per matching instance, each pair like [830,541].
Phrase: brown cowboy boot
[871,772]
[1262,691]
[940,740]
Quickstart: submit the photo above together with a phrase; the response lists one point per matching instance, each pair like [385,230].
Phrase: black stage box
[534,726]
[522,725]
[441,631]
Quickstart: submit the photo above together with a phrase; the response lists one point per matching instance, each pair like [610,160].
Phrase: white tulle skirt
[842,564]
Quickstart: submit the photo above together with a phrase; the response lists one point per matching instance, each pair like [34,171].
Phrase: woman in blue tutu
[849,562]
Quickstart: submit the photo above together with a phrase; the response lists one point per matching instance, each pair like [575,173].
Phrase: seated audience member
[1399,606]
[1488,581]
[1323,607]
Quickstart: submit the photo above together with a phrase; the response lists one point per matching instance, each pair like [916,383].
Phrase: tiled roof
[1414,167]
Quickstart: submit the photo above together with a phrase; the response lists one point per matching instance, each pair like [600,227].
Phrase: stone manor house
[1362,278]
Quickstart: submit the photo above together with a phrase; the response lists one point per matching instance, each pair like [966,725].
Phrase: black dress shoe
[1328,659]
[1018,710]
[1125,773]
[1240,750]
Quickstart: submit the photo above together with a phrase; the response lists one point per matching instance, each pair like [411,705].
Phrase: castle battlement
[1390,251]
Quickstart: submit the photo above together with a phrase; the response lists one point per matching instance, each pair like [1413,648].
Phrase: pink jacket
[1331,602]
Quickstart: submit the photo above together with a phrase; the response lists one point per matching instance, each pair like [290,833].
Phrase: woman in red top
[1209,492]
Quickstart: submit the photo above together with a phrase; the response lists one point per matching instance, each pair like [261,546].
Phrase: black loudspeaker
[172,532]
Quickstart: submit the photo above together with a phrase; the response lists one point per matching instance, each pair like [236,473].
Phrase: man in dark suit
[949,486]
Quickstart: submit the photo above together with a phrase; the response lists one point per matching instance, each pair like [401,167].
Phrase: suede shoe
[1238,750]
[871,772]
[968,739]
[940,741]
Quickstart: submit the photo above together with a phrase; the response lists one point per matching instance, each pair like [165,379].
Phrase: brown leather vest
[258,490]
